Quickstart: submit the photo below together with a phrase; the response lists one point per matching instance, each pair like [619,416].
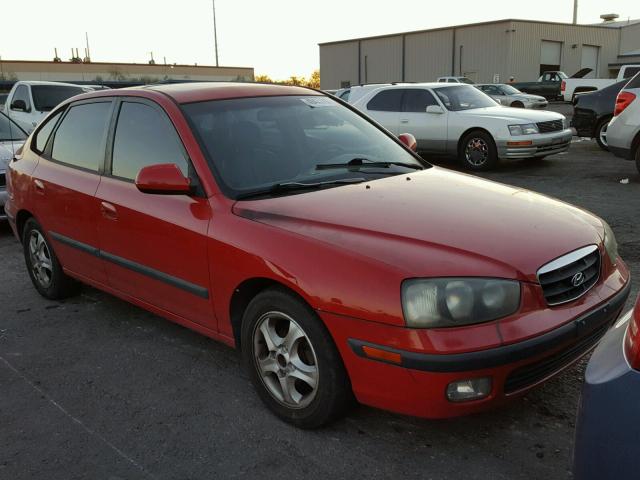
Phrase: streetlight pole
[215,30]
[575,12]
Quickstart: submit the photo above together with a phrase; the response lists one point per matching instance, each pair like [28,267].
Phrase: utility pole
[215,30]
[575,12]
[86,37]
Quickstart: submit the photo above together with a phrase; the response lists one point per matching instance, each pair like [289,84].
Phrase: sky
[277,37]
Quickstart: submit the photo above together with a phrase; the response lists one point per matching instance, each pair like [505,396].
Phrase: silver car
[461,121]
[512,97]
[11,138]
[623,133]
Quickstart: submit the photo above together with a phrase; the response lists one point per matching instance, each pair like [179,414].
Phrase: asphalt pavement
[94,388]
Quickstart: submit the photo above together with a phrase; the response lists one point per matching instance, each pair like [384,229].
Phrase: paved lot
[95,388]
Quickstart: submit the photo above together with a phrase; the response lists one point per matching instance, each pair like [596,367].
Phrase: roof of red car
[198,92]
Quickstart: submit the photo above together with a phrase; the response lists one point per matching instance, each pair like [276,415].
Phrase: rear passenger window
[386,101]
[43,134]
[145,136]
[417,100]
[80,139]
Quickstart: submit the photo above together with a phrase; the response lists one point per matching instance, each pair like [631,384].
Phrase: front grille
[571,276]
[528,375]
[3,180]
[552,126]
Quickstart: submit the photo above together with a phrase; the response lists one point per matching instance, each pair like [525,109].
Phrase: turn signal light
[525,143]
[383,355]
[632,339]
[623,100]
[563,86]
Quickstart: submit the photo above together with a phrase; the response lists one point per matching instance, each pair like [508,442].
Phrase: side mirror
[19,105]
[163,179]
[435,109]
[409,141]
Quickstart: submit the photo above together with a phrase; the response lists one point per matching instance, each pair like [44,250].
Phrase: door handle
[39,186]
[108,211]
[404,121]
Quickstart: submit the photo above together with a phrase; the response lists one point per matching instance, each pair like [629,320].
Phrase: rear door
[154,246]
[385,107]
[71,146]
[430,129]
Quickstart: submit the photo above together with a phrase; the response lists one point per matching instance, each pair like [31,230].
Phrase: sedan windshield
[9,131]
[509,90]
[464,97]
[259,144]
[47,97]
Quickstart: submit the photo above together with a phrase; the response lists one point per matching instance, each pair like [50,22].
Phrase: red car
[282,222]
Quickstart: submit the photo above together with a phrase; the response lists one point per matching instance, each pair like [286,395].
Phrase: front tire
[292,360]
[478,151]
[517,104]
[601,134]
[43,266]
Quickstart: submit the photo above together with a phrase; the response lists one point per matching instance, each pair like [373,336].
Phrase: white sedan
[461,121]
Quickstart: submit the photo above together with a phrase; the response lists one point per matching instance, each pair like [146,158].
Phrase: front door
[154,246]
[22,116]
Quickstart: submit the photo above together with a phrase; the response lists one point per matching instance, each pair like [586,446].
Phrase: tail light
[623,100]
[563,86]
[632,340]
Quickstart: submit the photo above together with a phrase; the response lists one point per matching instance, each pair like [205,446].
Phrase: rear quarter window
[44,132]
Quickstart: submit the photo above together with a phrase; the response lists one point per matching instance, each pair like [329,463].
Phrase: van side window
[145,136]
[80,139]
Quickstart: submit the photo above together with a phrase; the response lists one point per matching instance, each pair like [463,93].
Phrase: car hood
[436,222]
[6,153]
[511,114]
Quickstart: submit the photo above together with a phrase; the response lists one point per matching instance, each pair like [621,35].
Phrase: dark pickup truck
[548,85]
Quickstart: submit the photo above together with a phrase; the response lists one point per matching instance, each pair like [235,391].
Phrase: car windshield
[466,80]
[47,97]
[464,97]
[9,131]
[255,144]
[509,90]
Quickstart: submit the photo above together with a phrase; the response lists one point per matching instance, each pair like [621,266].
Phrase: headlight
[610,243]
[526,129]
[453,302]
[565,123]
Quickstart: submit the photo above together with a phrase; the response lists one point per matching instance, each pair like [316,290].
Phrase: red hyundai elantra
[282,222]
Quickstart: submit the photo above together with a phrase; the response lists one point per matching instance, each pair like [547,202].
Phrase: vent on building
[609,17]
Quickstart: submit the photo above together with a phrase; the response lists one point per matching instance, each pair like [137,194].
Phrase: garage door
[550,55]
[590,55]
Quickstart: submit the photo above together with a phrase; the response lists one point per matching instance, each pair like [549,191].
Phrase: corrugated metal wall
[338,63]
[484,52]
[428,55]
[630,39]
[527,39]
[381,60]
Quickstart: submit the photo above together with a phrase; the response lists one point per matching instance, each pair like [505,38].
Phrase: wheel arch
[21,219]
[247,291]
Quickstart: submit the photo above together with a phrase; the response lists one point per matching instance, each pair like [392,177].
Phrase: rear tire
[43,266]
[478,151]
[292,360]
[601,134]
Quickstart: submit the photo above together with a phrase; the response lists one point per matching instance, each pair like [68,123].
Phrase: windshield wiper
[286,187]
[356,163]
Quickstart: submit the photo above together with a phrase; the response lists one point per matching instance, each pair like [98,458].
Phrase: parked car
[282,222]
[466,80]
[606,443]
[512,97]
[30,101]
[623,133]
[11,139]
[461,121]
[547,85]
[570,87]
[593,111]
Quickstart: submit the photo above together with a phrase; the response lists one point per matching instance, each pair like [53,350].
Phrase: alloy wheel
[285,360]
[476,151]
[603,134]
[41,263]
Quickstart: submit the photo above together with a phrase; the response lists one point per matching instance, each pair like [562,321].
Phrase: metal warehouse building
[484,52]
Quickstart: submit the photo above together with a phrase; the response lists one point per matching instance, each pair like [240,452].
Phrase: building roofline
[50,62]
[467,25]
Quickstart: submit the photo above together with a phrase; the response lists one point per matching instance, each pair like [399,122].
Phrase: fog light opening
[469,390]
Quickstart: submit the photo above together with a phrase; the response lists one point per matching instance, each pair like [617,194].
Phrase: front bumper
[418,386]
[542,144]
[606,443]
